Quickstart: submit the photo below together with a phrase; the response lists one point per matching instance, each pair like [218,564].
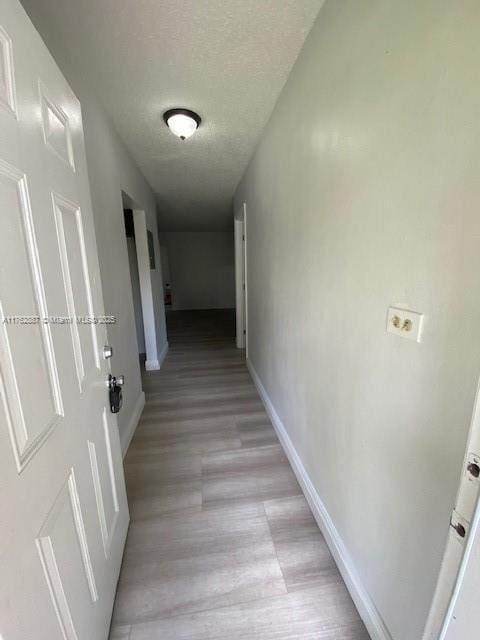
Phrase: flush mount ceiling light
[182,122]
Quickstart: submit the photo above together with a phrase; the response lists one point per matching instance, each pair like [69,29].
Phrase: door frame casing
[456,553]
[473,539]
[241,295]
[152,362]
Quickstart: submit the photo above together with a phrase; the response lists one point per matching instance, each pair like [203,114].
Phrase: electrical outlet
[405,323]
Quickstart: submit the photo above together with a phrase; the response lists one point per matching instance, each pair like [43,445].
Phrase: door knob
[115,392]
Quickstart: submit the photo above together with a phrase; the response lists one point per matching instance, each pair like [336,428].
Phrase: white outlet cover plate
[406,317]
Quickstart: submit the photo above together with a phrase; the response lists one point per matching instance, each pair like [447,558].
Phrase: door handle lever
[115,392]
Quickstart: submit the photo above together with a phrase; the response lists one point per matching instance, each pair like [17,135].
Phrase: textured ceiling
[226,59]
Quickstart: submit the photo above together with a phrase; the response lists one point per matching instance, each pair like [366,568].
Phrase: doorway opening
[167,286]
[142,260]
[241,297]
[198,269]
[135,282]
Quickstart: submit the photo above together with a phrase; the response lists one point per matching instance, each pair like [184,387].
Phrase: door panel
[7,85]
[56,128]
[64,510]
[69,575]
[33,410]
[103,472]
[73,256]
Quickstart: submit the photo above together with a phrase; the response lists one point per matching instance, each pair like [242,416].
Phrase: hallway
[222,543]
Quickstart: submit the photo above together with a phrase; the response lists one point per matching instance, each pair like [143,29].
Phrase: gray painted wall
[202,269]
[111,170]
[364,192]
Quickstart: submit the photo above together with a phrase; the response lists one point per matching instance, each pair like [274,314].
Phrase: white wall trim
[146,290]
[127,436]
[239,284]
[245,268]
[154,365]
[366,608]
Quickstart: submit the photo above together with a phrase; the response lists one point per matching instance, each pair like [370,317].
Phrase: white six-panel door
[63,509]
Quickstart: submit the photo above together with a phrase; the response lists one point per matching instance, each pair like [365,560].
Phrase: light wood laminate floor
[222,544]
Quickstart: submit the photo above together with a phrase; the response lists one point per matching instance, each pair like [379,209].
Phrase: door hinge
[243,238]
[473,468]
[243,286]
[244,332]
[460,526]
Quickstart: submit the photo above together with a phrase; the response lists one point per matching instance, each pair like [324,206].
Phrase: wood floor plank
[167,498]
[193,533]
[165,588]
[321,613]
[183,437]
[301,549]
[260,473]
[144,477]
[255,431]
[222,543]
[120,632]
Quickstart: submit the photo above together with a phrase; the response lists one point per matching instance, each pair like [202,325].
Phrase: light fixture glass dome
[182,122]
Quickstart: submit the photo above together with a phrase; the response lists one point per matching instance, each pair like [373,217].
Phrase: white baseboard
[366,608]
[154,365]
[132,425]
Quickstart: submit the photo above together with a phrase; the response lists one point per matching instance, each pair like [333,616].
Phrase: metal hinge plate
[460,527]
[472,469]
